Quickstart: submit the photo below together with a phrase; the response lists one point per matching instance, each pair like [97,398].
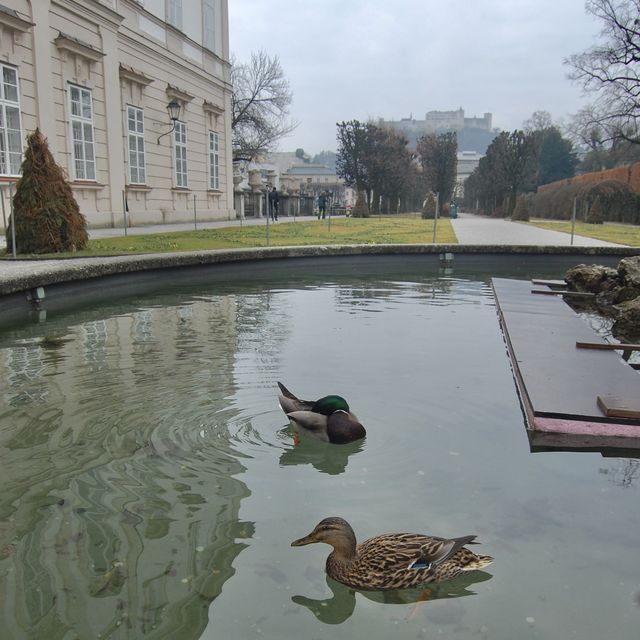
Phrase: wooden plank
[568,294]
[555,379]
[614,407]
[607,346]
[550,283]
[614,446]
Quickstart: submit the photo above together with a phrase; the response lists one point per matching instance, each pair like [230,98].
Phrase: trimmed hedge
[618,203]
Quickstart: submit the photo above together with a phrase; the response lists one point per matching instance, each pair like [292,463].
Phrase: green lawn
[609,232]
[375,230]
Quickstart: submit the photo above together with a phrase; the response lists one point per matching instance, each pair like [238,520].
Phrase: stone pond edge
[24,275]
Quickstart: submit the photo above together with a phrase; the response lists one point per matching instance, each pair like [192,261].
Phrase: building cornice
[178,94]
[133,75]
[65,42]
[11,18]
[95,11]
[160,54]
[214,109]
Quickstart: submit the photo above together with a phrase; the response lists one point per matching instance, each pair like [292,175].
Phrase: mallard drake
[328,419]
[392,560]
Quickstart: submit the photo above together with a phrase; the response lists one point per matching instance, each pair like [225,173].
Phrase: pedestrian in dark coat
[274,201]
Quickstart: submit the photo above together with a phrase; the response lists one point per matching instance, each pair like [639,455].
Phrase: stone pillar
[255,182]
[43,71]
[114,125]
[238,196]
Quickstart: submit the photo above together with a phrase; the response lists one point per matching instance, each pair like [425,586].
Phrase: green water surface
[151,486]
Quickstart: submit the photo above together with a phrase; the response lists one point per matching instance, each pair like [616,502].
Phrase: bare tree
[610,70]
[259,106]
[538,121]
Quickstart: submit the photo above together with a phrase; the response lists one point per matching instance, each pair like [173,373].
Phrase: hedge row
[617,201]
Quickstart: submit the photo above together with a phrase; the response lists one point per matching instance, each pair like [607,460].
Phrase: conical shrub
[596,214]
[521,210]
[360,210]
[46,215]
[429,207]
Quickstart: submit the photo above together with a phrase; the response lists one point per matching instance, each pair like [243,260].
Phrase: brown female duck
[392,560]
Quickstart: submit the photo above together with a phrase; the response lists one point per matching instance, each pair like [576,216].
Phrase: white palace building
[134,97]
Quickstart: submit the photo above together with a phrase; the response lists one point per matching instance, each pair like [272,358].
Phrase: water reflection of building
[119,511]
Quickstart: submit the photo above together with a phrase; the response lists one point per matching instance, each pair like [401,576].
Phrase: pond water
[151,486]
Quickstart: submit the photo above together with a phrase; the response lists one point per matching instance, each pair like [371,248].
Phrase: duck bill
[310,539]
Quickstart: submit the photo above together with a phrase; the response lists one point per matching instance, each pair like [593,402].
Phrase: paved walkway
[470,230]
[189,226]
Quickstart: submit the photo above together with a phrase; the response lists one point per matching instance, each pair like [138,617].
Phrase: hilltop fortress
[474,134]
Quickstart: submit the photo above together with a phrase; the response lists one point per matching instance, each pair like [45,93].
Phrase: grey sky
[366,59]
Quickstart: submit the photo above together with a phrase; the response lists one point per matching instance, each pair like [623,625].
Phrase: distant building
[467,163]
[313,179]
[474,134]
[96,77]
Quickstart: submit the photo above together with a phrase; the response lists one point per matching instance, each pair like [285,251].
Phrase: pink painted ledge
[580,427]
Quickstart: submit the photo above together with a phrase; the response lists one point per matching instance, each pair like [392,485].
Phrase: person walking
[274,201]
[322,205]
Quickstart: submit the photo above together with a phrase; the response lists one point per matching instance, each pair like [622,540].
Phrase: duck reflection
[341,605]
[324,457]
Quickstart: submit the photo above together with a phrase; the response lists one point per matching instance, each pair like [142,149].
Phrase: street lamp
[173,109]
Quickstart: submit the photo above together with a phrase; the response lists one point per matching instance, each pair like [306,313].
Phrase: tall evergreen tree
[46,216]
[353,151]
[438,157]
[556,158]
[513,161]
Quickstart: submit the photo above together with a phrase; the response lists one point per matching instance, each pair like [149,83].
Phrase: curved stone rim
[23,275]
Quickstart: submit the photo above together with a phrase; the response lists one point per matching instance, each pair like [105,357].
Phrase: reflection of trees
[364,293]
[120,501]
[342,604]
[624,474]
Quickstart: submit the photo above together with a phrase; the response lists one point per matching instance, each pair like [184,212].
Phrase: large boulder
[591,278]
[617,294]
[626,328]
[629,271]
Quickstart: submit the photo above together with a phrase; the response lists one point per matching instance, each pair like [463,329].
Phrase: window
[84,162]
[209,24]
[135,127]
[180,140]
[10,128]
[174,16]
[214,161]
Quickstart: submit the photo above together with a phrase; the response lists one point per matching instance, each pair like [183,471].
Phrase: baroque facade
[96,77]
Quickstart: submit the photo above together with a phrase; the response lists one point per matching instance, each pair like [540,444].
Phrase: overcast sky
[361,59]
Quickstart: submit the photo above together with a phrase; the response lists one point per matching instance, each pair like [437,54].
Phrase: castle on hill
[474,134]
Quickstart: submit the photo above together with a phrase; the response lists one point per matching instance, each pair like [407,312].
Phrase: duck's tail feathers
[479,562]
[285,392]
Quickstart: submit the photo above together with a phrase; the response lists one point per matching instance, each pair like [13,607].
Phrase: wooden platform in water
[573,397]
